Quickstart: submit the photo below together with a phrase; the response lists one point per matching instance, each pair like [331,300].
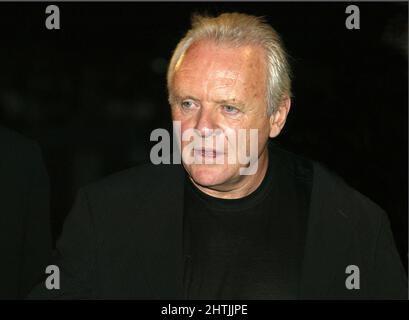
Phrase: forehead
[215,69]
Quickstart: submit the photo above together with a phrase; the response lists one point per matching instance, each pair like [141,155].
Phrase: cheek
[178,116]
[185,125]
[187,131]
[263,133]
[262,130]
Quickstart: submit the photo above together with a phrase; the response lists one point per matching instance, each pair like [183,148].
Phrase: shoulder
[138,182]
[131,199]
[339,211]
[360,211]
[333,192]
[144,175]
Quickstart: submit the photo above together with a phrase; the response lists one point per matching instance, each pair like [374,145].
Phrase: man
[275,226]
[25,235]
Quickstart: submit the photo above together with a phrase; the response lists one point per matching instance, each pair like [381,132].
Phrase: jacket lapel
[328,238]
[163,248]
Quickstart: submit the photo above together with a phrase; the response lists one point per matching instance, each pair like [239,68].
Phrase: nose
[206,122]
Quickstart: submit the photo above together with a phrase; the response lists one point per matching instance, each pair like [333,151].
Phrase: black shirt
[247,248]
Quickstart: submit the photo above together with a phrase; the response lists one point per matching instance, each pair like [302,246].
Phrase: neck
[243,186]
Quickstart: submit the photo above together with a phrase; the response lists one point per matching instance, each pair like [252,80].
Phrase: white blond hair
[240,29]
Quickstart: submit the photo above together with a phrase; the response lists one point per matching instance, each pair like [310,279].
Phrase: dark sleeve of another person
[25,235]
[74,256]
[37,242]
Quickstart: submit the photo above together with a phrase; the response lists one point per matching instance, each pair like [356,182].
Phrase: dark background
[92,92]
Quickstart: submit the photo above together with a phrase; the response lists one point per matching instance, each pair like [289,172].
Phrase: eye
[230,109]
[187,104]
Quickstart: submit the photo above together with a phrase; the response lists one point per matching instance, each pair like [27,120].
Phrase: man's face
[218,90]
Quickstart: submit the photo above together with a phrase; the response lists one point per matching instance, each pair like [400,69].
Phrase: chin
[209,175]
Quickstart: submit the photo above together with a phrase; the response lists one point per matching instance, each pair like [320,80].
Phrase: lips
[207,153]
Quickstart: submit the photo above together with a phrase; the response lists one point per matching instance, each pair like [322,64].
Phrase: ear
[278,118]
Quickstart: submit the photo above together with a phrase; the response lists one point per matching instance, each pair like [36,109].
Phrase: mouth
[207,153]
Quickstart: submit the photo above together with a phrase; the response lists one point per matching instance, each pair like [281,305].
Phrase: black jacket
[25,235]
[123,239]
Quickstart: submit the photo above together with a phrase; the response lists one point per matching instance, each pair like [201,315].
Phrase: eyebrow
[233,102]
[179,98]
